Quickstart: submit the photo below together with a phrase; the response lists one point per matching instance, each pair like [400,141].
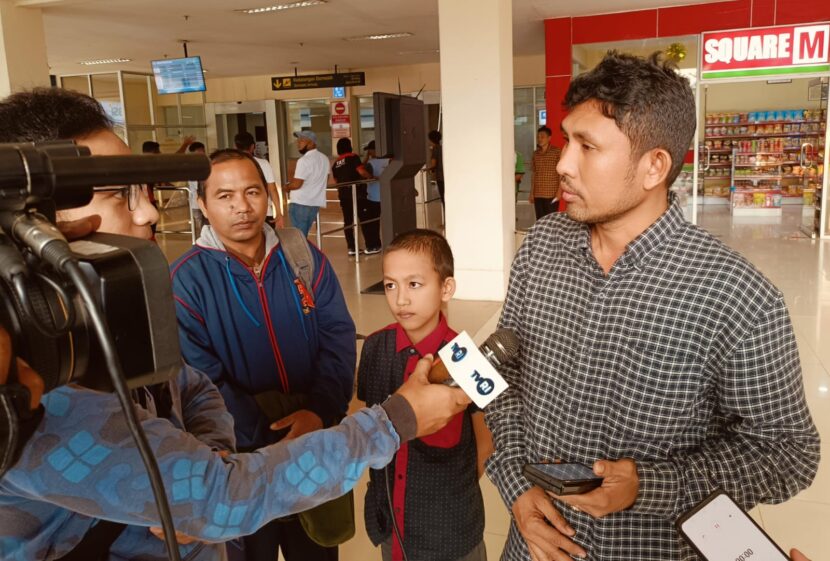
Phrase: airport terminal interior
[205,70]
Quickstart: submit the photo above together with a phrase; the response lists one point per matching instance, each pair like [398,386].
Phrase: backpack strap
[298,254]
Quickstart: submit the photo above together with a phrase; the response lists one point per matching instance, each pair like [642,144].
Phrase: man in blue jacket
[251,324]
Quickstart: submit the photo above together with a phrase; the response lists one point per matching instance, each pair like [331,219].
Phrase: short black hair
[227,155]
[344,146]
[151,147]
[545,130]
[195,146]
[46,114]
[435,136]
[652,104]
[243,140]
[430,243]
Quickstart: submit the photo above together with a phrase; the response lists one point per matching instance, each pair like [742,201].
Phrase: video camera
[74,310]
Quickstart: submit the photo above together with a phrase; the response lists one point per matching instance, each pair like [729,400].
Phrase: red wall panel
[615,27]
[690,20]
[763,13]
[558,47]
[555,90]
[802,11]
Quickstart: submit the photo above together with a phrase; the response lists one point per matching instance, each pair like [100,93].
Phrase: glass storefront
[139,113]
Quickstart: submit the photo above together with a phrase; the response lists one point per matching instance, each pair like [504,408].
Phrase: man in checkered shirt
[650,350]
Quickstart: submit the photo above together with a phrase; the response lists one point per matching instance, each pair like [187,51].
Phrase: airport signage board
[311,81]
[766,51]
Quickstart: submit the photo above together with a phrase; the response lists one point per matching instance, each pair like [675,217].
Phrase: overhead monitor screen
[179,75]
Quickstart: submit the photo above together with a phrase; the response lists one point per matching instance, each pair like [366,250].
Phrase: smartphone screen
[722,531]
[567,472]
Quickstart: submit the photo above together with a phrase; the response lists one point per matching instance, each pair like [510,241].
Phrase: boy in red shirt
[432,485]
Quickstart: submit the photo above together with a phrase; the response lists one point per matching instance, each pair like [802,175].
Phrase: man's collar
[430,344]
[578,238]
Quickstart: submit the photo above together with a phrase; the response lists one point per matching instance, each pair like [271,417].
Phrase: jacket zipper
[272,336]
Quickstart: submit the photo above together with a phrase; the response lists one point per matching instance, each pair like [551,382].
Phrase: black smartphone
[562,479]
[720,530]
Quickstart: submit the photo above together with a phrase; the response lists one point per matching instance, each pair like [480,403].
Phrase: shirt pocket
[655,391]
[447,437]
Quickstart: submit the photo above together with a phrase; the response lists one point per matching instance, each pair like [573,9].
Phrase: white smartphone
[720,530]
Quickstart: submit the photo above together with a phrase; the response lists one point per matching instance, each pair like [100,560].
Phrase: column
[476,41]
[23,63]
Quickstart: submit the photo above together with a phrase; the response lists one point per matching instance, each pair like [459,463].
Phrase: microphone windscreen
[504,345]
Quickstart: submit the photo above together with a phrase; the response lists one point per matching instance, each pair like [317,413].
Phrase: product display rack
[759,161]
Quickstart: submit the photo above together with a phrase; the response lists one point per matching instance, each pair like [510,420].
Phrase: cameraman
[79,478]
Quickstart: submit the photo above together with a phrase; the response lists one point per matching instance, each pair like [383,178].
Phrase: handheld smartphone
[562,479]
[720,530]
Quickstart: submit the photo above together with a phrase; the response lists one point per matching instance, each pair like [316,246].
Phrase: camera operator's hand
[75,229]
[25,375]
[434,404]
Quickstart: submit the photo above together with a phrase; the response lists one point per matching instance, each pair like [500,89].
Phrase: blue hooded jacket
[252,335]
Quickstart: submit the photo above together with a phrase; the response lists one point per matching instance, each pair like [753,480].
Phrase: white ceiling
[233,44]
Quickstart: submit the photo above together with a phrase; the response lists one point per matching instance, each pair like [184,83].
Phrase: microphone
[501,347]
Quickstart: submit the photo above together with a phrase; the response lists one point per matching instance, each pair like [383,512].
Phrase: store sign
[766,51]
[345,79]
[341,121]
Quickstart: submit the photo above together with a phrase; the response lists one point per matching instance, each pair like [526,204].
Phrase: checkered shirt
[682,357]
[545,177]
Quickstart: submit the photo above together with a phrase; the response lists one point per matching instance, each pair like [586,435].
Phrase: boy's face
[414,291]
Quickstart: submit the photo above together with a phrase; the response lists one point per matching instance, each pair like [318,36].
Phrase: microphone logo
[484,386]
[458,352]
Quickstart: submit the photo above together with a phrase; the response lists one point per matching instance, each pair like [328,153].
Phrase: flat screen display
[179,75]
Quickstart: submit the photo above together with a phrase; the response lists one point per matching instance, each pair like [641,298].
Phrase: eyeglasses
[132,193]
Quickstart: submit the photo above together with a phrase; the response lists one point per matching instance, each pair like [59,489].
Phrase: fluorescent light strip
[104,61]
[280,7]
[380,37]
[415,53]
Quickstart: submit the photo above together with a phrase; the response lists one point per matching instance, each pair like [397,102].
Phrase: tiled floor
[798,266]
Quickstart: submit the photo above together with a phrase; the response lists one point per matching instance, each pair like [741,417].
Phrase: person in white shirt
[308,188]
[199,219]
[245,142]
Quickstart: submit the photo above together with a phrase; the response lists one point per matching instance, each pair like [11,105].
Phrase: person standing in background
[199,219]
[520,171]
[436,163]
[308,188]
[245,141]
[375,166]
[544,194]
[348,167]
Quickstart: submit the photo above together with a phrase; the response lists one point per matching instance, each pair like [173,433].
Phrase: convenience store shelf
[756,211]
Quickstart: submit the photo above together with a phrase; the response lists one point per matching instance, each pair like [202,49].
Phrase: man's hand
[183,539]
[279,221]
[619,489]
[545,530]
[434,404]
[302,422]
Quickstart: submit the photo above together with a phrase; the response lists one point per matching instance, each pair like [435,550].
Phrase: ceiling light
[280,7]
[379,37]
[104,61]
[416,53]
